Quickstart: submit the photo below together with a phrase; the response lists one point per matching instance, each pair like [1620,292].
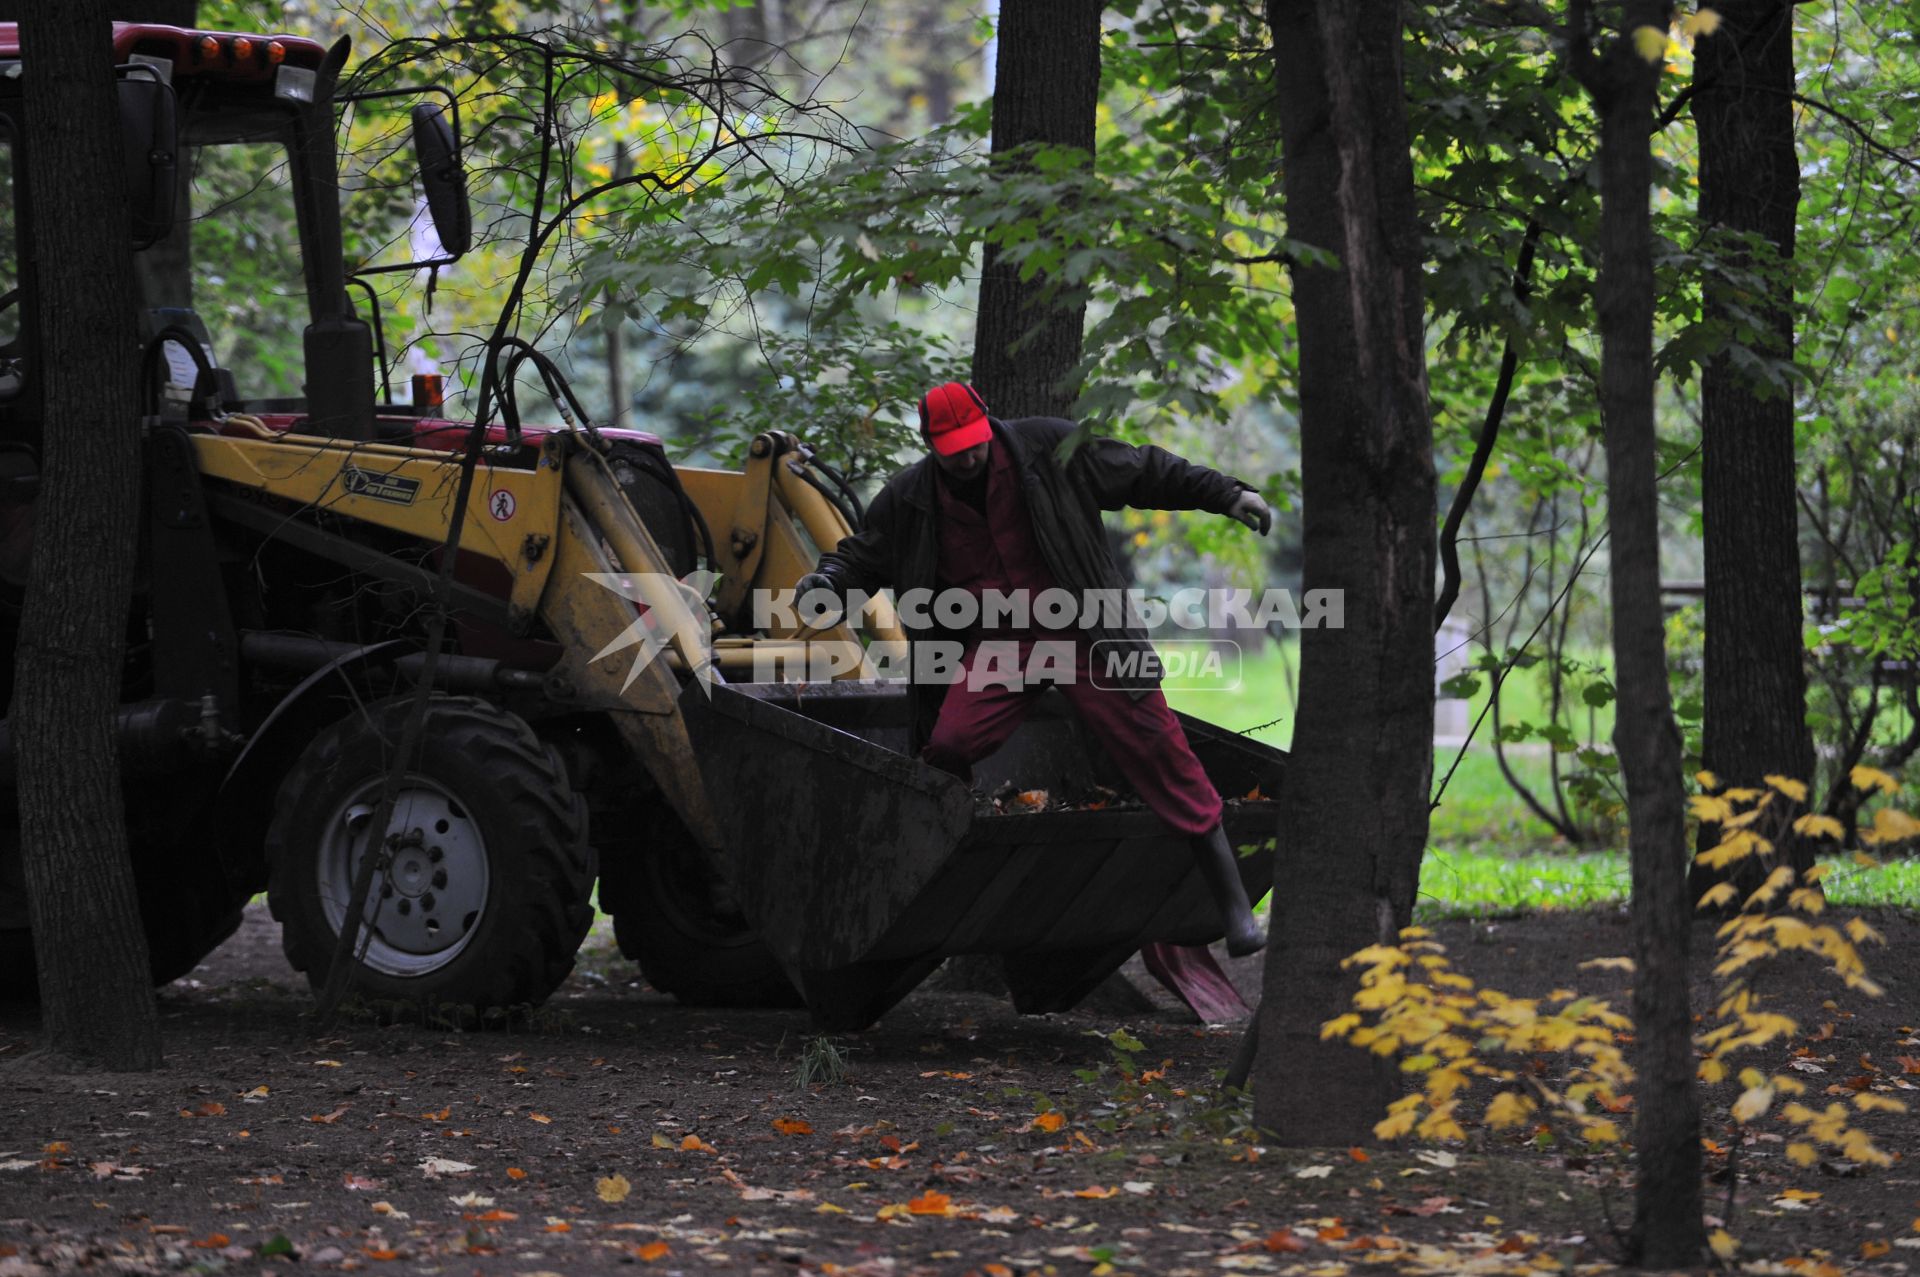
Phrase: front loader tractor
[756,840]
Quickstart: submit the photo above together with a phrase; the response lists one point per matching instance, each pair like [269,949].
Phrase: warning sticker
[501,505]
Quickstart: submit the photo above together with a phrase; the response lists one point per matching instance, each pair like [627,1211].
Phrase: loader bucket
[862,868]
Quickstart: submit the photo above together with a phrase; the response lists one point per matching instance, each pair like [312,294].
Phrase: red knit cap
[954,418]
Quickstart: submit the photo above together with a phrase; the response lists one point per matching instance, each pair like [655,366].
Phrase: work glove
[1251,510]
[818,581]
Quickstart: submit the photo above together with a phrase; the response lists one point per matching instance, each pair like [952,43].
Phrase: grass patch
[1478,805]
[1265,691]
[1894,884]
[1459,882]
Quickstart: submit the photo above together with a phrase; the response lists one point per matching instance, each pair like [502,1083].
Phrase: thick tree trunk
[1046,87]
[97,1000]
[1667,1228]
[1756,684]
[1354,809]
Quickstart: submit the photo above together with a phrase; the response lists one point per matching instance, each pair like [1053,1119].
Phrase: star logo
[674,616]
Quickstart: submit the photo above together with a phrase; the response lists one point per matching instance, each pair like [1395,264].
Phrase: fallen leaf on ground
[1096,1191]
[212,1108]
[390,1211]
[1438,1157]
[694,1144]
[213,1241]
[613,1188]
[329,1118]
[791,1126]
[1049,1121]
[1313,1172]
[1283,1240]
[931,1203]
[651,1251]
[471,1199]
[514,1172]
[444,1166]
[541,1118]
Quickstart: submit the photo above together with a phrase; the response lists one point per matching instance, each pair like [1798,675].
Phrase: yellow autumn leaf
[1702,22]
[1708,809]
[1860,931]
[1509,1108]
[613,1188]
[1864,777]
[1050,1121]
[1754,1101]
[1794,789]
[1650,43]
[1707,780]
[1892,826]
[1339,1026]
[1716,895]
[661,1141]
[1723,1242]
[1608,964]
[1814,825]
[1867,1102]
[1395,1125]
[1802,1154]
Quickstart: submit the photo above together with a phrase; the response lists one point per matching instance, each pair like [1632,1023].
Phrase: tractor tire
[488,904]
[186,909]
[665,920]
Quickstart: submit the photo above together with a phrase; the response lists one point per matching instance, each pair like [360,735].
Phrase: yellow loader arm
[582,562]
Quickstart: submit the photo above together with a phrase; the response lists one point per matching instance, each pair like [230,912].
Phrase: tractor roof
[226,55]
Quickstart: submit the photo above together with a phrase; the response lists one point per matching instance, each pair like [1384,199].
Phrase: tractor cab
[243,295]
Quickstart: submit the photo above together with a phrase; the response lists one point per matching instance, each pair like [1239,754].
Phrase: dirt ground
[619,1132]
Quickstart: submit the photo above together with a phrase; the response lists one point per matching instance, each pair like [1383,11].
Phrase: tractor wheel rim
[425,909]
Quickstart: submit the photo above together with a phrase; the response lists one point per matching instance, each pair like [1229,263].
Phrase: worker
[995,507]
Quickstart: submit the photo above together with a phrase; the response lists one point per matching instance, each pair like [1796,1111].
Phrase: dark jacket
[899,546]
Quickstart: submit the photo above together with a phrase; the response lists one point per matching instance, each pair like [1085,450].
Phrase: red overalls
[1142,736]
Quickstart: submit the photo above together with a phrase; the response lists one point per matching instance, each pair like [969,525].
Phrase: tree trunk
[1667,1228]
[1046,88]
[1756,684]
[1354,809]
[95,990]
